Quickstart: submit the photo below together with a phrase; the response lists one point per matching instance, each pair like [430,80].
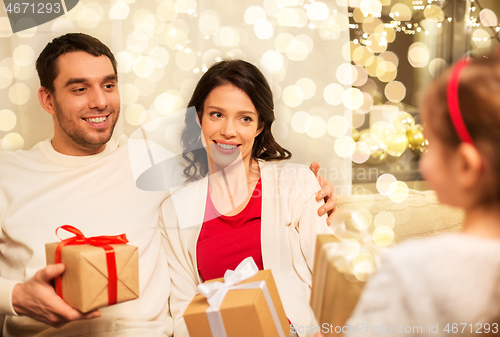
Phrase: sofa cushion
[420,215]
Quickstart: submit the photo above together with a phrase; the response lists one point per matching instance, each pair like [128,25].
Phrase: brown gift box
[85,279]
[333,296]
[245,312]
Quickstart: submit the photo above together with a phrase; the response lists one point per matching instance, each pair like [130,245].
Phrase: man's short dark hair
[46,64]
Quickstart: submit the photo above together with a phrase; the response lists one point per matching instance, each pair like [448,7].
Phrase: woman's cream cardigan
[288,234]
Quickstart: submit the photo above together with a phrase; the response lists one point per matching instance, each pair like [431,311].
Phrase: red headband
[453,106]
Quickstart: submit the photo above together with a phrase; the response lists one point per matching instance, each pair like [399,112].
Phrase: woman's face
[229,125]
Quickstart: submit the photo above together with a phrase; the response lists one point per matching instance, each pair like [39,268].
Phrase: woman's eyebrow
[223,110]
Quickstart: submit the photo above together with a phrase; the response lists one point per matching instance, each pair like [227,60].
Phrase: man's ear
[46,100]
[470,166]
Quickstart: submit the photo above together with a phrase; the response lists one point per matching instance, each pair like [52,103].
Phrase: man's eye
[109,86]
[79,89]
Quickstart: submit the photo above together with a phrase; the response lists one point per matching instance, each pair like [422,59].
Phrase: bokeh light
[370,25]
[371,7]
[254,14]
[227,37]
[362,76]
[19,93]
[337,126]
[272,61]
[383,236]
[377,43]
[400,193]
[298,49]
[299,121]
[293,96]
[133,114]
[363,264]
[143,66]
[352,98]
[317,11]
[209,22]
[129,93]
[125,61]
[347,74]
[13,142]
[263,29]
[481,38]
[6,77]
[308,87]
[401,12]
[385,184]
[344,146]
[282,41]
[488,18]
[395,91]
[418,55]
[402,121]
[361,152]
[315,127]
[433,13]
[8,120]
[436,66]
[119,11]
[185,59]
[166,11]
[185,6]
[23,55]
[397,143]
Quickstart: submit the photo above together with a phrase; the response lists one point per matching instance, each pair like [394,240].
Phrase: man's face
[85,103]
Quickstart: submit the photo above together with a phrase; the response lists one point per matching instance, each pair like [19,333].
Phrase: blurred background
[347,76]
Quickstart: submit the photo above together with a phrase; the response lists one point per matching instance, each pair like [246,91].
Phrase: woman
[243,201]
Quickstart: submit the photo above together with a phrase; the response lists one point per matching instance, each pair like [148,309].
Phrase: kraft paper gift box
[85,280]
[333,296]
[244,312]
[342,264]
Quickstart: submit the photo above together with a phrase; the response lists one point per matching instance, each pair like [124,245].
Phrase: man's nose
[98,99]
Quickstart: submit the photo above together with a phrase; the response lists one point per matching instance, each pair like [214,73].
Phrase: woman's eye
[217,114]
[246,119]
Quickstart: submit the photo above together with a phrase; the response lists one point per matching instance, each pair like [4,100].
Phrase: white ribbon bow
[361,235]
[216,291]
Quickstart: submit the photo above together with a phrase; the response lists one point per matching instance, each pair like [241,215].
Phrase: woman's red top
[225,241]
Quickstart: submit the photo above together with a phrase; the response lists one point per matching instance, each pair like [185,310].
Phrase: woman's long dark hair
[250,80]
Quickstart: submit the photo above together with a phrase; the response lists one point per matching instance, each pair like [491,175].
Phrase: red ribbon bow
[98,241]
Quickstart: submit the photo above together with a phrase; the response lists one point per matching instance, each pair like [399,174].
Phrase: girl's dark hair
[479,102]
[250,80]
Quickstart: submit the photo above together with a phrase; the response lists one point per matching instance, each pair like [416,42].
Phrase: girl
[245,202]
[449,284]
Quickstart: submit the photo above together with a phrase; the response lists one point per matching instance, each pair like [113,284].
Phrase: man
[79,177]
[82,178]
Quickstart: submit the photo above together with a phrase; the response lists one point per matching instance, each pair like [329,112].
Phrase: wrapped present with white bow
[244,303]
[343,263]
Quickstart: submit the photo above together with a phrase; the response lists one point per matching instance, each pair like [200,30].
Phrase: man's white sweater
[40,190]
